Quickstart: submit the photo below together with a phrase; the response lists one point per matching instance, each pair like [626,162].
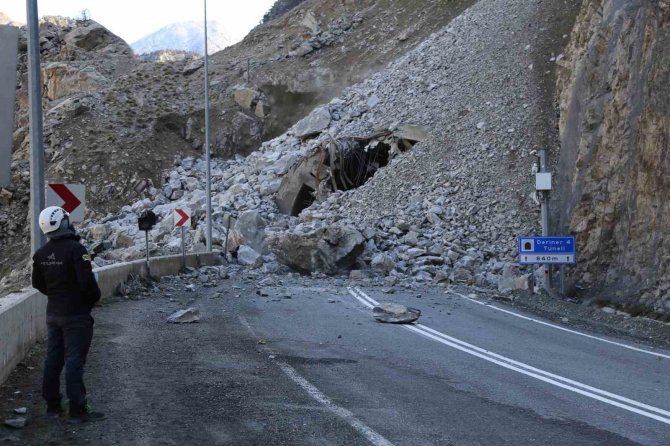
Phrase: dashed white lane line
[373,437]
[558,327]
[622,402]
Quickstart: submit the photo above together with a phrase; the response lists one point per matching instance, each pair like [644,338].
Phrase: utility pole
[36,137]
[207,144]
[544,215]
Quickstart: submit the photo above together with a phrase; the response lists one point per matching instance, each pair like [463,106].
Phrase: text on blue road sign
[545,250]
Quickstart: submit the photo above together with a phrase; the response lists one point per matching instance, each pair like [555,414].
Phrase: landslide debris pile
[115,122]
[447,209]
[482,92]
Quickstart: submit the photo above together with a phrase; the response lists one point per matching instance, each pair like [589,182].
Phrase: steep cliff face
[615,137]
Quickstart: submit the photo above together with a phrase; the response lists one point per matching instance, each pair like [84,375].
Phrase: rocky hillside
[280,8]
[447,209]
[115,123]
[414,158]
[615,138]
[184,36]
[79,60]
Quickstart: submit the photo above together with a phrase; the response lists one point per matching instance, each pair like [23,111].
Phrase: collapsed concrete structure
[342,164]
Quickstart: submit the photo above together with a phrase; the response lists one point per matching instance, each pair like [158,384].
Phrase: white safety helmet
[52,218]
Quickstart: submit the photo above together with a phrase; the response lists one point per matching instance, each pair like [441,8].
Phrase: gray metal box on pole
[9,44]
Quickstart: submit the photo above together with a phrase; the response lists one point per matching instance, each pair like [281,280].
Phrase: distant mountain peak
[184,36]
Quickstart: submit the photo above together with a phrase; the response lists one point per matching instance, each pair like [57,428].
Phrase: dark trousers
[68,344]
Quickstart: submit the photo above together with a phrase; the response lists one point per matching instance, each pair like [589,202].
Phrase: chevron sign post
[182,219]
[71,197]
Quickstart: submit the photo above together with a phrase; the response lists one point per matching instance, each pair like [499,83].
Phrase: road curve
[307,364]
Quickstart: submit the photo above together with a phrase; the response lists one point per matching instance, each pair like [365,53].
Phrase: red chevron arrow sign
[71,197]
[182,217]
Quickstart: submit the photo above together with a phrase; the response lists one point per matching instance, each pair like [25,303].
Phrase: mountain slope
[184,36]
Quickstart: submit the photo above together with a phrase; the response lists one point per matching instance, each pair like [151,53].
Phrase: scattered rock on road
[187,316]
[21,411]
[16,423]
[247,256]
[395,313]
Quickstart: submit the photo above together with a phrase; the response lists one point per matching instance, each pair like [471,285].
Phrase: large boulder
[122,240]
[327,250]
[62,80]
[251,226]
[99,232]
[382,263]
[395,313]
[315,123]
[246,97]
[92,37]
[247,256]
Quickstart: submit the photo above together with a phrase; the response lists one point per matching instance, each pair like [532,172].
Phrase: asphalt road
[308,365]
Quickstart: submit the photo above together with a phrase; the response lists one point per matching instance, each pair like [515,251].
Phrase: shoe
[85,415]
[54,410]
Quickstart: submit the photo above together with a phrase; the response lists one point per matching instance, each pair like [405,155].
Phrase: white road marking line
[525,369]
[558,327]
[372,436]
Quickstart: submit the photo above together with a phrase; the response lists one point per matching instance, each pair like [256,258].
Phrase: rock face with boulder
[327,250]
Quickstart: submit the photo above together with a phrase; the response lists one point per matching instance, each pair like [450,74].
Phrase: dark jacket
[62,271]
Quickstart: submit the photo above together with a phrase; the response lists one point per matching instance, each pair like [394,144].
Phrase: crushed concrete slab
[395,313]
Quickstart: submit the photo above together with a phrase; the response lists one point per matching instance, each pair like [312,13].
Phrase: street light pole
[207,143]
[36,136]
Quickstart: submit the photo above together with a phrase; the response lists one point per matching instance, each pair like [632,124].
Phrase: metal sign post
[146,239]
[183,249]
[182,218]
[146,222]
[225,245]
[548,251]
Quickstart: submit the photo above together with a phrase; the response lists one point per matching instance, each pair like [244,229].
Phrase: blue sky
[133,19]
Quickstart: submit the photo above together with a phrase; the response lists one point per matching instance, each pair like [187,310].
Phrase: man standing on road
[62,271]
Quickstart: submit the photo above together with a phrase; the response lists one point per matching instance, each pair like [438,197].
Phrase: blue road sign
[547,250]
